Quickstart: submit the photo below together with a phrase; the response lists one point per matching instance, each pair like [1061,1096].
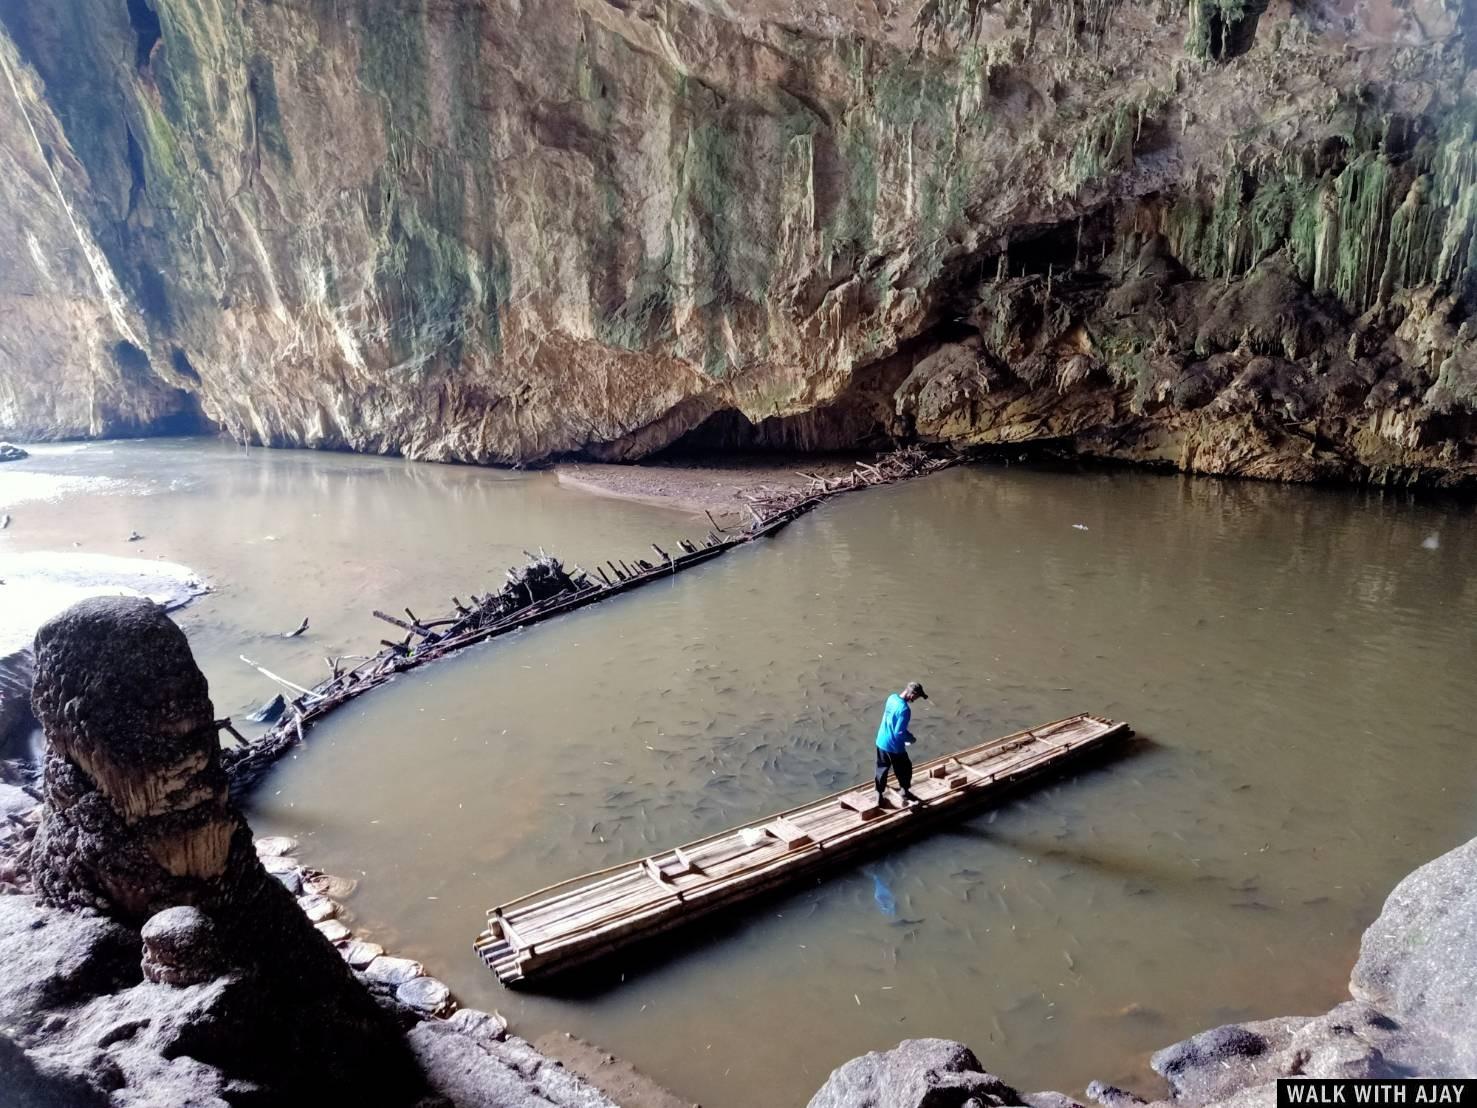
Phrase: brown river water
[1296,661]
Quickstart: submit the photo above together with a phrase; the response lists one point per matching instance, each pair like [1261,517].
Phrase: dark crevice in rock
[132,362]
[153,297]
[182,365]
[145,23]
[138,181]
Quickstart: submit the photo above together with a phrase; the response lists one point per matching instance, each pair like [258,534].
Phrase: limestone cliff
[1232,235]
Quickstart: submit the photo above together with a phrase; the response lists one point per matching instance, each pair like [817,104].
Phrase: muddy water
[1297,661]
[280,535]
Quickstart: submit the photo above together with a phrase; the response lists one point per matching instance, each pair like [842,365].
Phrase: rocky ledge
[1412,1011]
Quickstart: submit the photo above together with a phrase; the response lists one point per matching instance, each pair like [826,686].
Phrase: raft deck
[586,918]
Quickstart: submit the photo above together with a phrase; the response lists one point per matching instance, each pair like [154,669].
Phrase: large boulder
[481,1072]
[9,452]
[1233,1062]
[137,826]
[54,960]
[28,1084]
[1418,960]
[917,1073]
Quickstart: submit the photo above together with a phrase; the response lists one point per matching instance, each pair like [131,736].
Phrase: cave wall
[506,230]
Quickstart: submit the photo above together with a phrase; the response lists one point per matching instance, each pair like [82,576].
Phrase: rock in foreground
[1413,1013]
[162,964]
[918,1073]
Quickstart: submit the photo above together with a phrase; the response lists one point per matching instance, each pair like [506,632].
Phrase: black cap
[916,689]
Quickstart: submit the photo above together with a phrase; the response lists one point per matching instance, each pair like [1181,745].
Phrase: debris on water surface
[886,903]
[269,712]
[1079,527]
[1432,542]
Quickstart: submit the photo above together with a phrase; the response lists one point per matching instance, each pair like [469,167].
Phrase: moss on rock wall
[500,232]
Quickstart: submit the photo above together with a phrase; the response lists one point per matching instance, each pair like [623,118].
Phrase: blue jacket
[893,736]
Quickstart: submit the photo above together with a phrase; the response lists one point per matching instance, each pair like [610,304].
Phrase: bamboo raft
[586,918]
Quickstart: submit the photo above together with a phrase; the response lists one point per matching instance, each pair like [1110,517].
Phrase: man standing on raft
[893,738]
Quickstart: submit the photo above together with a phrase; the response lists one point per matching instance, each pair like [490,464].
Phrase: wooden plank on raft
[863,803]
[786,832]
[578,921]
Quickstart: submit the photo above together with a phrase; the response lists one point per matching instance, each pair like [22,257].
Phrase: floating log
[586,918]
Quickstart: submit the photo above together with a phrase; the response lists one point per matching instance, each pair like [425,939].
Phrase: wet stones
[326,884]
[359,953]
[393,971]
[319,908]
[9,452]
[181,947]
[479,1024]
[275,846]
[425,994]
[335,931]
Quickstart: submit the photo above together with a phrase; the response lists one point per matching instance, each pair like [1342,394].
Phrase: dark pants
[900,764]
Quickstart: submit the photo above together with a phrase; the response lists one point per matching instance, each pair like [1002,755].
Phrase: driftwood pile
[536,591]
[899,465]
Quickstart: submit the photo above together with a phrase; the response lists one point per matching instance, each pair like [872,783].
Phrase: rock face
[481,1072]
[1419,959]
[1412,1014]
[918,1073]
[1232,238]
[136,825]
[17,721]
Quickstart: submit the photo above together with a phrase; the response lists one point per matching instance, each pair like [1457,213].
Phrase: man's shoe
[911,799]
